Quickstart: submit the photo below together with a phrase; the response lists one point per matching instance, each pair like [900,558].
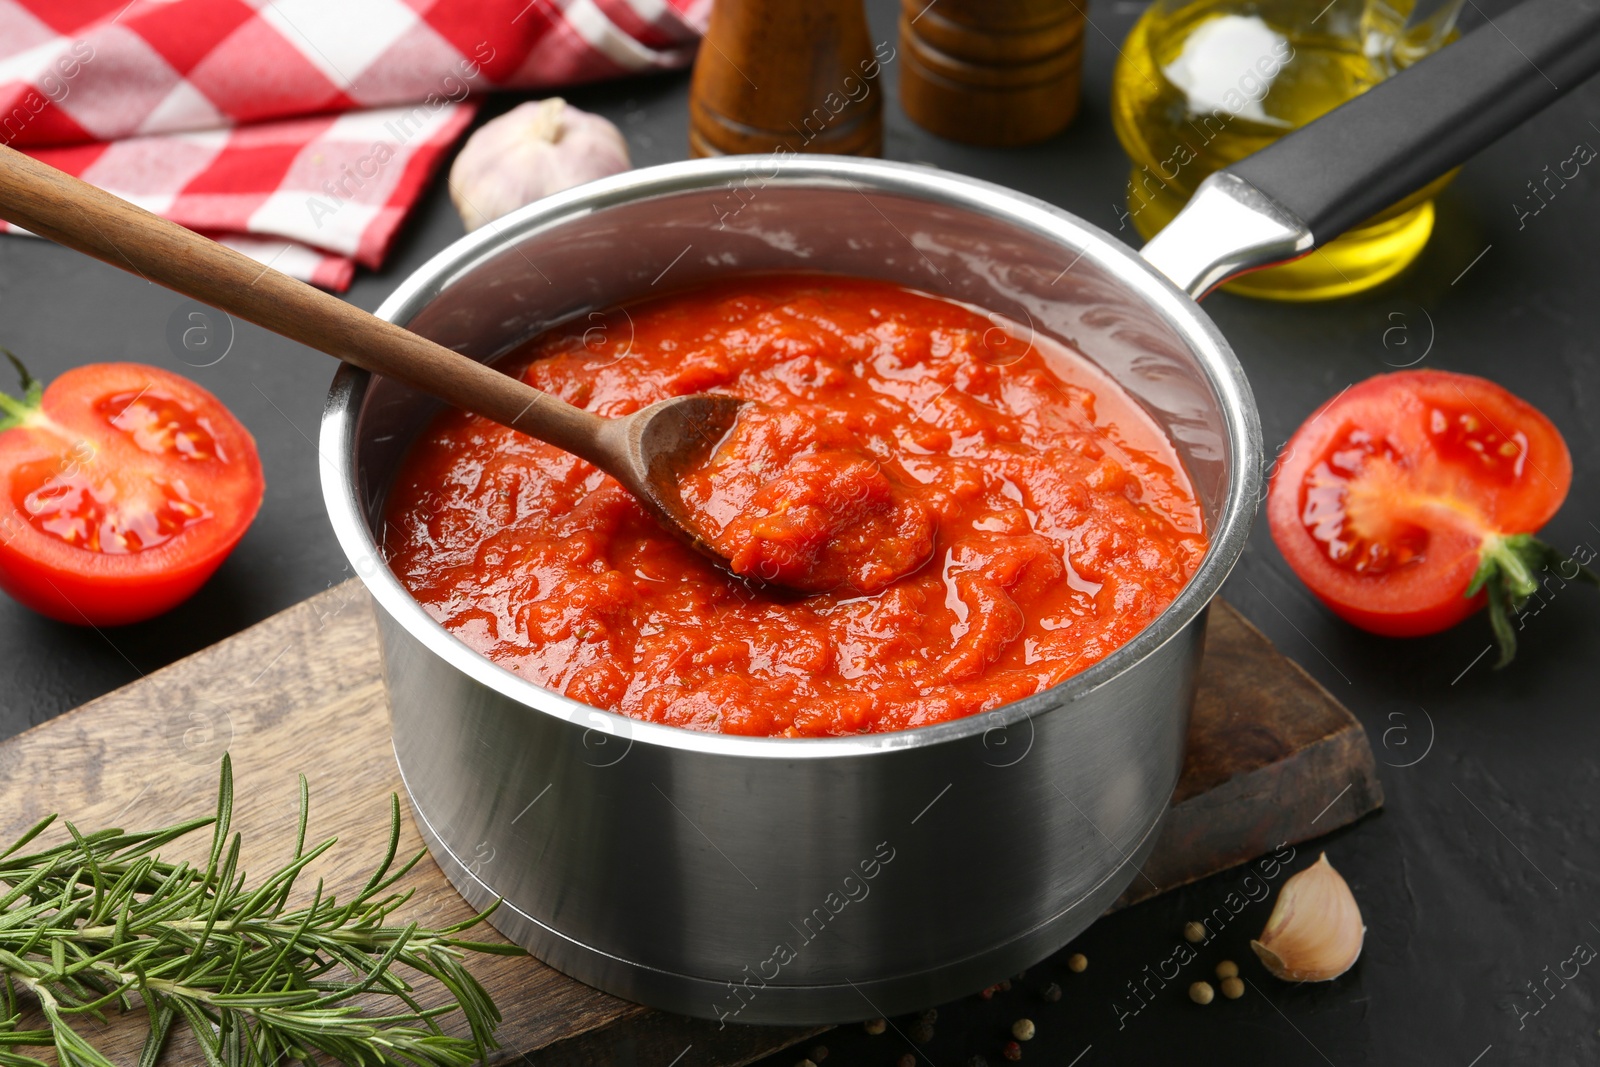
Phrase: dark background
[1480,876]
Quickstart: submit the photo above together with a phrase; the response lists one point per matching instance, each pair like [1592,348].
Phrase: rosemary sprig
[102,922]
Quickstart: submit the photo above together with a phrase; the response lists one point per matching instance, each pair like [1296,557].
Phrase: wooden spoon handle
[76,214]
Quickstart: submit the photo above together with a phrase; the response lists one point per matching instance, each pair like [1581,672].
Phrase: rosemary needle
[102,922]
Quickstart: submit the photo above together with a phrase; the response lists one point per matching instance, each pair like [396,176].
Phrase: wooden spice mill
[805,75]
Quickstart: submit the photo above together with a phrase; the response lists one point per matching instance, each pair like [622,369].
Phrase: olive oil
[1202,85]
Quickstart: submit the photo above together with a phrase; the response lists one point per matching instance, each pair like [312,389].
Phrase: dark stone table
[1478,879]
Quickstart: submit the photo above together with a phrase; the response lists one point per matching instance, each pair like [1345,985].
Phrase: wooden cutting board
[1272,758]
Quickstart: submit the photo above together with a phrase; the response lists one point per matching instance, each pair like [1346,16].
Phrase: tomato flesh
[161,425]
[1327,504]
[1384,499]
[126,489]
[108,515]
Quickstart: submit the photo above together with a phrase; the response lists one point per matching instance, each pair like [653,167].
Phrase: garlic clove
[1314,933]
[533,150]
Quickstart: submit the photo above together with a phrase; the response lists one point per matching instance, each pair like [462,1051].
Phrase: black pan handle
[1358,159]
[1407,130]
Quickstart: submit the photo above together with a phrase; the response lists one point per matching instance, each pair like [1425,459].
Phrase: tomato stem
[1509,569]
[16,411]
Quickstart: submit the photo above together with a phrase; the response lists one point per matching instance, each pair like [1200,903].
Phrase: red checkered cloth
[300,132]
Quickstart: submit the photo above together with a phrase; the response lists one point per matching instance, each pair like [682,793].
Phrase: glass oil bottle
[1203,84]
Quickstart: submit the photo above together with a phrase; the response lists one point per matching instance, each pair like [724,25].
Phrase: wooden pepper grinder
[991,72]
[795,75]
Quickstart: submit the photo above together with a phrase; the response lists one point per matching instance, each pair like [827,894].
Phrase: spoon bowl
[652,448]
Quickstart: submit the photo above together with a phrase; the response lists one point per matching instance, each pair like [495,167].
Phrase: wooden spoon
[645,451]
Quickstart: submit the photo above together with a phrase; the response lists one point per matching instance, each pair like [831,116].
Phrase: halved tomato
[122,489]
[1410,499]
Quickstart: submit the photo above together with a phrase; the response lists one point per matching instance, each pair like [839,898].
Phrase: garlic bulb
[531,151]
[1314,933]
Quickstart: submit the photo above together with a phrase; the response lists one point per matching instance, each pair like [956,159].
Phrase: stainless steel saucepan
[769,880]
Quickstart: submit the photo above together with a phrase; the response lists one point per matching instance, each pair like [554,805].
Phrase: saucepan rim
[851,175]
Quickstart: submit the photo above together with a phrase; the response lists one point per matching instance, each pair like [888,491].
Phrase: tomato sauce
[789,499]
[1043,517]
